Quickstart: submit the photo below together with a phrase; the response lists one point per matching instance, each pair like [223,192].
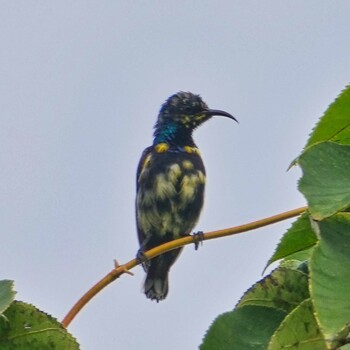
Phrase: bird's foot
[198,238]
[143,259]
[122,268]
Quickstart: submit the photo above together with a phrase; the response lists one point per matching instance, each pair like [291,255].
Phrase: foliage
[24,327]
[305,303]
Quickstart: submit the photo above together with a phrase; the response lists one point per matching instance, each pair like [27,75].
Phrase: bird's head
[182,113]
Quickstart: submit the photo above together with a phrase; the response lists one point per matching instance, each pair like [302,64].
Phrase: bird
[170,185]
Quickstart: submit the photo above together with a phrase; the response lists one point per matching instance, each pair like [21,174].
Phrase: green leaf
[326,178]
[335,124]
[7,294]
[301,256]
[330,276]
[299,237]
[282,289]
[246,328]
[28,328]
[298,331]
[300,265]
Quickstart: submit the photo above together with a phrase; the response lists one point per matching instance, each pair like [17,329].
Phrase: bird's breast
[170,192]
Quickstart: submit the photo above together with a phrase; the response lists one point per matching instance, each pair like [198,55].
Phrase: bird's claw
[142,258]
[198,238]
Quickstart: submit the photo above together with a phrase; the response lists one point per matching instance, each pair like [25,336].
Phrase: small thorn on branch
[122,268]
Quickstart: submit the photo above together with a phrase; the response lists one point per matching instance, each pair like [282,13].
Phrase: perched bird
[170,185]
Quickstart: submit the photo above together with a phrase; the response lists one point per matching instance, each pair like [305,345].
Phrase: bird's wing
[143,163]
[142,166]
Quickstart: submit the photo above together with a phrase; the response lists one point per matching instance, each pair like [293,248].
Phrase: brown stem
[150,254]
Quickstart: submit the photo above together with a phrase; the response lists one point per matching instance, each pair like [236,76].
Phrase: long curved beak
[213,112]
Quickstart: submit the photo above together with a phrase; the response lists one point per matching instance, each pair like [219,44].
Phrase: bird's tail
[156,284]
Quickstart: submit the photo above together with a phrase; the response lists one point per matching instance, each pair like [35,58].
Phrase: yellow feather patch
[161,147]
[146,198]
[148,219]
[188,188]
[146,162]
[191,150]
[188,165]
[200,117]
[186,120]
[174,173]
[163,188]
[144,167]
[201,177]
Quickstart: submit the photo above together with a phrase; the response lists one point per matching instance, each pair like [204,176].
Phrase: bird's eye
[188,109]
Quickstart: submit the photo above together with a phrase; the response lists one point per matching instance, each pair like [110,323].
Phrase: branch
[150,254]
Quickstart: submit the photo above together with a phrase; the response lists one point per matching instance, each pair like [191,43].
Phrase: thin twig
[150,254]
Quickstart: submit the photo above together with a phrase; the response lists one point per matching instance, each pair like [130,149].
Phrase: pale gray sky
[81,84]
